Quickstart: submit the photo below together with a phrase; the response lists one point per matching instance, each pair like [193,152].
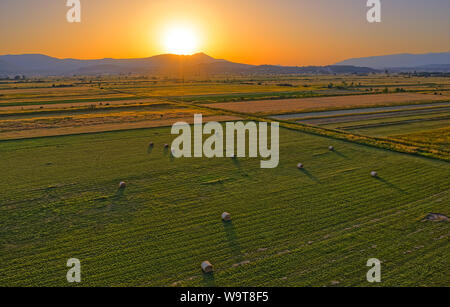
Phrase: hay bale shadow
[209,280]
[389,184]
[340,154]
[236,162]
[166,151]
[150,149]
[232,239]
[118,198]
[119,194]
[310,176]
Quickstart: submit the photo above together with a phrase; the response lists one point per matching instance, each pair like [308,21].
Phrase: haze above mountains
[42,65]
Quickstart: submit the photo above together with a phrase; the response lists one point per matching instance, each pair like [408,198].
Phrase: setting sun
[181,41]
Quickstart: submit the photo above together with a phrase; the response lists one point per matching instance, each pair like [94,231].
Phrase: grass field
[299,228]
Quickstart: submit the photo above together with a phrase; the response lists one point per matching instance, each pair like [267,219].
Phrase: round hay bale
[122,185]
[226,217]
[374,174]
[300,166]
[331,148]
[207,267]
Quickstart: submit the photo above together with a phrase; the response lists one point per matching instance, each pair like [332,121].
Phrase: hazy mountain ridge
[38,64]
[42,64]
[400,61]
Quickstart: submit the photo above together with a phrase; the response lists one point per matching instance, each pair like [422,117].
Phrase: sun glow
[181,41]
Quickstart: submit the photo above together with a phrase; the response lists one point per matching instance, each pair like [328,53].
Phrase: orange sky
[287,32]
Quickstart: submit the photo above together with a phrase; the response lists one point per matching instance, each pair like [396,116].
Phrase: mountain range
[402,61]
[200,63]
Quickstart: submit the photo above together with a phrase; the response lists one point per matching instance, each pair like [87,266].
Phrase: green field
[316,227]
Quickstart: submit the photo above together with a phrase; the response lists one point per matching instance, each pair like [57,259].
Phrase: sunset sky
[287,32]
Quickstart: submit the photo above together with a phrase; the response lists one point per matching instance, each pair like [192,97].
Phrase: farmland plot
[324,103]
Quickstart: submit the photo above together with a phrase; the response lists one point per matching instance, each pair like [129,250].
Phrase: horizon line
[204,53]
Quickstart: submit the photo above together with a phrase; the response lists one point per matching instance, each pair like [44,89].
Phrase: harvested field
[438,106]
[35,105]
[290,228]
[21,97]
[314,226]
[418,115]
[324,103]
[63,120]
[51,91]
[103,127]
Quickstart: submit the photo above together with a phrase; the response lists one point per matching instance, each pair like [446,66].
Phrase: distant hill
[44,65]
[400,60]
[436,68]
[200,63]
